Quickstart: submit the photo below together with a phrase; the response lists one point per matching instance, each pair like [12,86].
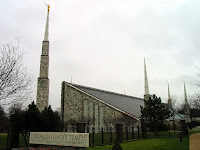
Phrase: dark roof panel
[126,103]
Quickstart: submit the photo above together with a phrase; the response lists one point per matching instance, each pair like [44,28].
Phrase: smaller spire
[46,34]
[185,94]
[146,86]
[187,107]
[169,97]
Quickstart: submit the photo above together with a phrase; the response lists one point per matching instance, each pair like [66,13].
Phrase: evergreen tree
[154,112]
[32,120]
[3,120]
[16,123]
[51,120]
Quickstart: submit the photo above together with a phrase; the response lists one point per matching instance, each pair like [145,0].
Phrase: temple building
[97,108]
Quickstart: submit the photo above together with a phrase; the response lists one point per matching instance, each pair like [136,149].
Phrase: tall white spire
[146,86]
[43,80]
[46,34]
[169,97]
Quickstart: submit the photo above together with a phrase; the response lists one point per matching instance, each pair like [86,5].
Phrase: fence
[3,140]
[110,138]
[163,134]
[23,141]
[104,137]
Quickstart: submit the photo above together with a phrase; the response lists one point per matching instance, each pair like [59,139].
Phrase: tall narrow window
[101,120]
[91,117]
[85,110]
[96,119]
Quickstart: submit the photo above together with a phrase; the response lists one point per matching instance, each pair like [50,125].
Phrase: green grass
[3,140]
[98,138]
[152,144]
[161,142]
[22,142]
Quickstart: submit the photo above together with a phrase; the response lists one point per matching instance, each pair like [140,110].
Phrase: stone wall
[43,81]
[77,106]
[42,93]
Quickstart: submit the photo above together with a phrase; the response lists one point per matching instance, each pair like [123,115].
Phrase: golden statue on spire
[48,6]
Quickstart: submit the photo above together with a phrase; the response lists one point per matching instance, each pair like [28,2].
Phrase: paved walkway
[195,141]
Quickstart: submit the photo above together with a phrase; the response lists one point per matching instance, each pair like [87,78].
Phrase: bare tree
[58,110]
[116,120]
[174,101]
[88,122]
[107,123]
[198,76]
[15,107]
[127,120]
[15,83]
[72,123]
[195,101]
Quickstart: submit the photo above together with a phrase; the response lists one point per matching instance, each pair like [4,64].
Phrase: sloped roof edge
[98,99]
[174,110]
[106,91]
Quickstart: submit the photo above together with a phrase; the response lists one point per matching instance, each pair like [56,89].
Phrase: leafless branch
[195,101]
[15,83]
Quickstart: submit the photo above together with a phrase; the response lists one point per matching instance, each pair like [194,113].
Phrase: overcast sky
[102,43]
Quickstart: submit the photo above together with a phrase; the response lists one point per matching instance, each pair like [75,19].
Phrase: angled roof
[128,104]
[176,116]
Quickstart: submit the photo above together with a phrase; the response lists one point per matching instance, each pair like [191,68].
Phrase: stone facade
[146,97]
[78,106]
[43,81]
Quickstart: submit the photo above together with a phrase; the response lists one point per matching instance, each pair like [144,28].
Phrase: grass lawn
[152,144]
[3,141]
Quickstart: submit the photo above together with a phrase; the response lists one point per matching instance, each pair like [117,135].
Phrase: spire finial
[146,86]
[46,34]
[48,8]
